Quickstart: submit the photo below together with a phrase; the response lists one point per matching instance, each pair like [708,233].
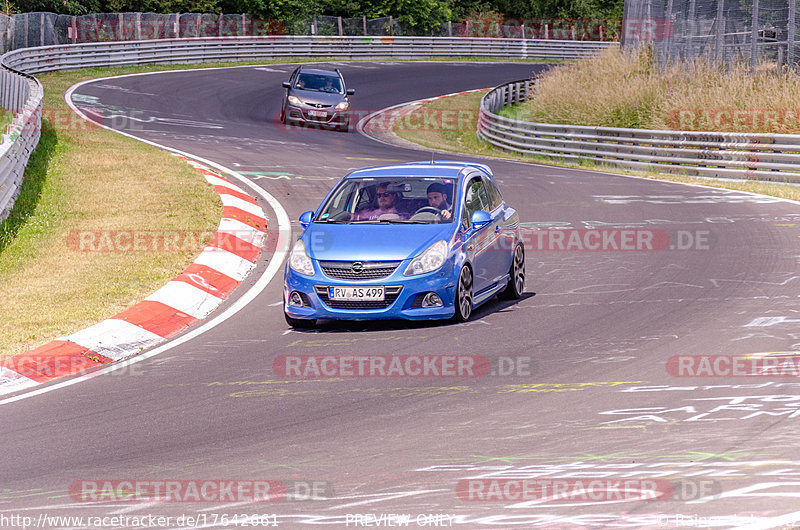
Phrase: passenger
[386,204]
[437,198]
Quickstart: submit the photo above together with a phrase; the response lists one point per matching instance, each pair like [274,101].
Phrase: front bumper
[332,118]
[402,305]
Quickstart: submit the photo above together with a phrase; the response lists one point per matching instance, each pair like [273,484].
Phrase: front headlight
[342,105]
[294,100]
[299,260]
[430,260]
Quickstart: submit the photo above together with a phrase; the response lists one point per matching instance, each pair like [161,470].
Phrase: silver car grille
[358,270]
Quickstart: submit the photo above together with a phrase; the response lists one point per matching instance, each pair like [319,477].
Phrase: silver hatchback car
[317,97]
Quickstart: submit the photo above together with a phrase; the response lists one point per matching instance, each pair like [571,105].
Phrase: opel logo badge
[357,267]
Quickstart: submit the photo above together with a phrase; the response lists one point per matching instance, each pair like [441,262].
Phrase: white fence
[769,157]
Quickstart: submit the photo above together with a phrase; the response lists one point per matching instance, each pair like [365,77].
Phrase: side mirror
[480,219]
[351,91]
[306,218]
[286,84]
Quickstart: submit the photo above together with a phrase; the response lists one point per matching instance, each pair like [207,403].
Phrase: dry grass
[84,178]
[463,139]
[617,89]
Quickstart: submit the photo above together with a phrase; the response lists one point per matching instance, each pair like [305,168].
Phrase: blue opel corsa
[417,241]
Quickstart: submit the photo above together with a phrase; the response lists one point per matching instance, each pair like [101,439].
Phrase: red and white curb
[183,301]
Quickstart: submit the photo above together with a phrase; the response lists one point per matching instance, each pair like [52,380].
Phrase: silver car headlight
[430,260]
[299,260]
[342,105]
[294,100]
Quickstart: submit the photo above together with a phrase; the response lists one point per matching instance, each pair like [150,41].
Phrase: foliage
[418,14]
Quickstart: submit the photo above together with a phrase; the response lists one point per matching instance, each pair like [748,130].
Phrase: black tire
[283,116]
[463,301]
[516,282]
[300,323]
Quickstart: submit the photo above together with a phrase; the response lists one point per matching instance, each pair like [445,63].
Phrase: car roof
[436,168]
[320,71]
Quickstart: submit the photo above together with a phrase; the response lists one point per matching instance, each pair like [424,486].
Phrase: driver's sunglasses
[384,194]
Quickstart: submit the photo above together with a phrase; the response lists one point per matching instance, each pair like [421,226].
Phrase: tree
[420,15]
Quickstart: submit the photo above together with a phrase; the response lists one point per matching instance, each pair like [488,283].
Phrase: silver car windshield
[319,83]
[390,200]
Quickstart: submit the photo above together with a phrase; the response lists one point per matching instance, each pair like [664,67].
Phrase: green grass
[6,116]
[82,177]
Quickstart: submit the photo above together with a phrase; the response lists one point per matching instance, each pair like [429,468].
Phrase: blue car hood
[372,242]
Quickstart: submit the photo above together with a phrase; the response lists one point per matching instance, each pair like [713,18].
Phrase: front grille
[390,295]
[371,270]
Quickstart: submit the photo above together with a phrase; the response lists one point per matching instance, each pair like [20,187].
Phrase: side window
[465,219]
[476,198]
[495,199]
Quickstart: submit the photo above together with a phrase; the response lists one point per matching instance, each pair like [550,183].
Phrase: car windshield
[390,200]
[320,83]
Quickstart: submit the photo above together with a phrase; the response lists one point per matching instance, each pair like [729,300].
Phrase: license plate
[318,113]
[356,293]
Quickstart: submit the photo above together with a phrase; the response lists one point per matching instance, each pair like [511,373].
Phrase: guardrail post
[754,38]
[11,33]
[138,26]
[364,22]
[339,22]
[449,28]
[41,30]
[720,29]
[790,39]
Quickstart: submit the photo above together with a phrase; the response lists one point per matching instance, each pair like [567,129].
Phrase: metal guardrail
[23,93]
[222,49]
[768,157]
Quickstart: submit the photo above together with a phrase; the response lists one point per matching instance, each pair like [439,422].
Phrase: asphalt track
[592,397]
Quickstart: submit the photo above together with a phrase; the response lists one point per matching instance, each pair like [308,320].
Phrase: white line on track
[284,229]
[781,521]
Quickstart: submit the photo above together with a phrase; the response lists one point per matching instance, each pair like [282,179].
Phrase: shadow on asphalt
[494,305]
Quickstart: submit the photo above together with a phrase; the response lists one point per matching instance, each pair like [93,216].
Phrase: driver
[437,198]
